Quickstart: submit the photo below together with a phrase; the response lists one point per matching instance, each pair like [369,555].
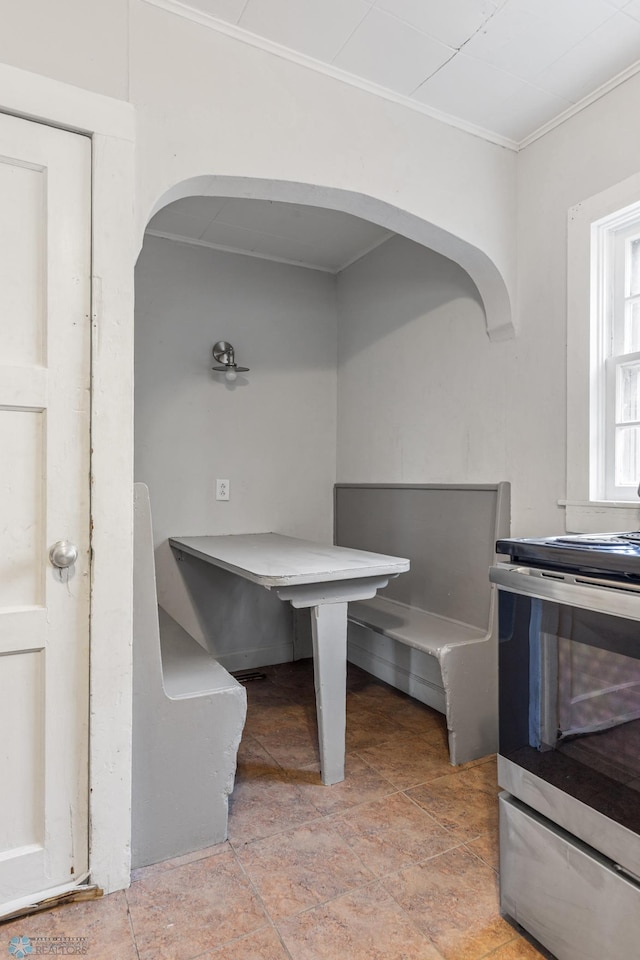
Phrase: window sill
[600,516]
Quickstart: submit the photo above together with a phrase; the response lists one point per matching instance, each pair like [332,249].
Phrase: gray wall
[421,398]
[272,433]
[421,390]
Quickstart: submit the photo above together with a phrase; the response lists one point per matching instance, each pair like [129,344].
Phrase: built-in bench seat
[188,670]
[188,717]
[433,631]
[417,628]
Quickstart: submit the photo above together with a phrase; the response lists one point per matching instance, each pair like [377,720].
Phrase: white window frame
[590,507]
[610,237]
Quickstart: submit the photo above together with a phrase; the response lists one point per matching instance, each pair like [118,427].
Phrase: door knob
[63,554]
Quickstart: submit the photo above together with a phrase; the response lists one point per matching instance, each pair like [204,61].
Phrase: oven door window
[570,682]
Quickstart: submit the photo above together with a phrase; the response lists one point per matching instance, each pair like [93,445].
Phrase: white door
[44,498]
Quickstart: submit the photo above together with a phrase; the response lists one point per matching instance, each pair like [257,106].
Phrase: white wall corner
[112,512]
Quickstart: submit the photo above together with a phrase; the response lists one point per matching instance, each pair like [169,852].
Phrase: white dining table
[324,578]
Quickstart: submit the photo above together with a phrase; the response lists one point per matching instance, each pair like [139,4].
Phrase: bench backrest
[448,531]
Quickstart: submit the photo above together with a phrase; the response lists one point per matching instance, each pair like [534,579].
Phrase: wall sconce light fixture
[224,353]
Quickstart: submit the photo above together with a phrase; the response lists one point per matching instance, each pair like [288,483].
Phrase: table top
[273,560]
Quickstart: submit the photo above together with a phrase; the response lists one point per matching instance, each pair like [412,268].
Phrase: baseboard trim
[422,689]
[259,657]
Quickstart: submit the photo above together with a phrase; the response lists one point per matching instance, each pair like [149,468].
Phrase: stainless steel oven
[569,754]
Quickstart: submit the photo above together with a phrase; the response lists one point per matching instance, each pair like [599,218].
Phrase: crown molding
[188,12]
[581,105]
[286,53]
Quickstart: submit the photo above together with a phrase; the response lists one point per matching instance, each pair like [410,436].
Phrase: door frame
[110,124]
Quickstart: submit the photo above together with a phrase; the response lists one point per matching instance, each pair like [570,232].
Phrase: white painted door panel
[44,497]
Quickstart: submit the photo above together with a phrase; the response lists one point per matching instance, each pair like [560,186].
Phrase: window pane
[632,327]
[634,267]
[627,456]
[628,399]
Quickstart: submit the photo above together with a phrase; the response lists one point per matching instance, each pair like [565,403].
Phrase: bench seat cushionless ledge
[433,632]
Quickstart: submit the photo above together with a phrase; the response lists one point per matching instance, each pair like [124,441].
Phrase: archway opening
[369,360]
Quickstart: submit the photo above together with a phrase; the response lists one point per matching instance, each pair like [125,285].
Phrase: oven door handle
[574,590]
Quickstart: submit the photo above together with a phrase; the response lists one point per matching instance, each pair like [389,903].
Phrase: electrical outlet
[222,490]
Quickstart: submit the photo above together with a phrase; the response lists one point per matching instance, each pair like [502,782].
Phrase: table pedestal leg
[329,633]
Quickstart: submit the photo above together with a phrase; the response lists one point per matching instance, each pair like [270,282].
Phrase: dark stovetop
[609,554]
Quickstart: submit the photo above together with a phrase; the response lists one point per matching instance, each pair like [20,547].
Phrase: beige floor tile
[379,696]
[301,868]
[265,801]
[180,913]
[292,747]
[386,699]
[261,692]
[264,945]
[483,774]
[102,926]
[408,761]
[487,848]
[280,717]
[393,833]
[366,727]
[465,803]
[255,765]
[453,899]
[424,722]
[364,925]
[361,784]
[355,871]
[518,949]
[252,756]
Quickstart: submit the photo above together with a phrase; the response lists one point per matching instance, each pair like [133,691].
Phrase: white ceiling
[506,66]
[307,236]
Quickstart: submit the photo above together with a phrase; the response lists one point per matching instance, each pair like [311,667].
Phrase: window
[603,361]
[615,357]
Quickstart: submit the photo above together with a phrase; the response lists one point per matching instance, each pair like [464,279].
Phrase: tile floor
[398,862]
